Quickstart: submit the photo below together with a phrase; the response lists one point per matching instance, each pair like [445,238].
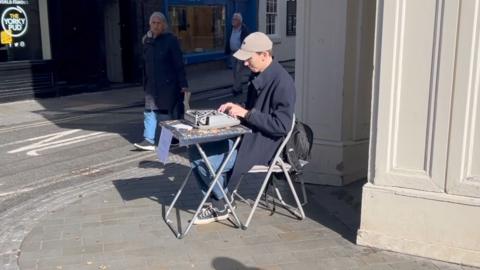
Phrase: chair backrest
[284,142]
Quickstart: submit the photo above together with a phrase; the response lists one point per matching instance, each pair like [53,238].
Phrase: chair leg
[285,205]
[295,211]
[302,186]
[292,189]
[279,195]
[235,193]
[257,200]
[304,192]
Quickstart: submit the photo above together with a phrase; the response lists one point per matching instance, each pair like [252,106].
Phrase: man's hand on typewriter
[233,109]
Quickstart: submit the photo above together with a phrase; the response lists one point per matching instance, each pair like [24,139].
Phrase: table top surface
[195,135]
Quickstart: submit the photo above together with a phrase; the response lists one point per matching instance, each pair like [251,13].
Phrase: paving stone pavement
[122,228]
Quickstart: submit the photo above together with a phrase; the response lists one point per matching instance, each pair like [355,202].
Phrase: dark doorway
[113,44]
[129,41]
[94,43]
[120,40]
[78,45]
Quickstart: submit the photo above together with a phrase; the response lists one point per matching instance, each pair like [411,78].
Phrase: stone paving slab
[123,228]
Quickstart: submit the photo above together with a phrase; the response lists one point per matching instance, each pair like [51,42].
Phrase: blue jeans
[150,123]
[216,153]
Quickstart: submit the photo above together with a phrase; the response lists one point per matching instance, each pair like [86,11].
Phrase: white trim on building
[272,20]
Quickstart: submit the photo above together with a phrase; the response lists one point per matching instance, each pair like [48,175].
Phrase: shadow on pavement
[341,203]
[336,208]
[224,263]
[329,206]
[162,188]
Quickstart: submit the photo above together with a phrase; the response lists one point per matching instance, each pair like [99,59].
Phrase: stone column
[334,53]
[423,195]
[45,29]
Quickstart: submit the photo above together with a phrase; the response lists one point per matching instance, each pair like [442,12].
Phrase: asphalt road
[47,164]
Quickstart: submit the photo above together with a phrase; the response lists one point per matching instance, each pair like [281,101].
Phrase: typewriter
[206,119]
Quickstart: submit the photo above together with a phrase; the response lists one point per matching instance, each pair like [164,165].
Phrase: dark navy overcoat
[271,104]
[164,72]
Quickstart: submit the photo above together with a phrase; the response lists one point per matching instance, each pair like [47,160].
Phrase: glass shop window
[199,28]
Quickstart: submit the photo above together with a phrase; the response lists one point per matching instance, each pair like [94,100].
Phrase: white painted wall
[423,196]
[334,53]
[283,45]
[423,191]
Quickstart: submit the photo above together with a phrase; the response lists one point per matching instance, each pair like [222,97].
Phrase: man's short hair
[270,52]
[238,15]
[158,14]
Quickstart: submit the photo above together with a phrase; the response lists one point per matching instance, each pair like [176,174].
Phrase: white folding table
[196,137]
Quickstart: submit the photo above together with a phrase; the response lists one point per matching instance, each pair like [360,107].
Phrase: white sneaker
[145,145]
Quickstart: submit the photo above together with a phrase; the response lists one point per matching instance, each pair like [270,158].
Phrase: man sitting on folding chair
[268,112]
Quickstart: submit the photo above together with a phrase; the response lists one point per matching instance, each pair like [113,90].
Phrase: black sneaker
[145,145]
[207,205]
[209,215]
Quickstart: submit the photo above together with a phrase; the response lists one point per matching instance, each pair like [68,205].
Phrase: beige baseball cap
[253,43]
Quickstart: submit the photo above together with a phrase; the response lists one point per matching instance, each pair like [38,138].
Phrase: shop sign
[14,20]
[6,37]
[13,2]
[20,30]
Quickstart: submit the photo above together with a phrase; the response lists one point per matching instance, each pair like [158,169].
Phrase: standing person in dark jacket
[165,81]
[234,41]
[268,112]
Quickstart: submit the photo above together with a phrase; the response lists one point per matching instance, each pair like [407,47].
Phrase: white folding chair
[277,165]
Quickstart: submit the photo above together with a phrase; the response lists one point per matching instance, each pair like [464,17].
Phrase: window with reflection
[271,17]
[199,28]
[291,17]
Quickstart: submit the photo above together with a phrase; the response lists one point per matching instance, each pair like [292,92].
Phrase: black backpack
[298,147]
[296,153]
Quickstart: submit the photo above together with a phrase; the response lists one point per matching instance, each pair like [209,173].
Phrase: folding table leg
[216,176]
[172,205]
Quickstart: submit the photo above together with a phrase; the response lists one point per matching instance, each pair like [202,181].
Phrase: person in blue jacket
[268,113]
[234,40]
[164,82]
